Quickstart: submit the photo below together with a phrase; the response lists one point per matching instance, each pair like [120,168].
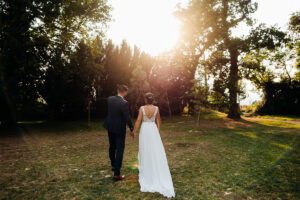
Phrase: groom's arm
[126,115]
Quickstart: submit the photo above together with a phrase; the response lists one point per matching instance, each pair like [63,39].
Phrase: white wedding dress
[154,173]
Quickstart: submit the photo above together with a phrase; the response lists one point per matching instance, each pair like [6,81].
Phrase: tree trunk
[135,102]
[7,117]
[168,103]
[198,119]
[233,85]
[89,113]
[206,85]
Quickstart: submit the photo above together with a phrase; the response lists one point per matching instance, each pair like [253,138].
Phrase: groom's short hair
[122,88]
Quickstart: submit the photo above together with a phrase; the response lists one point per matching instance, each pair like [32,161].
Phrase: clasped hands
[132,133]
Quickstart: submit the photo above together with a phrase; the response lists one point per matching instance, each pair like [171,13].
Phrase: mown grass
[222,159]
[280,117]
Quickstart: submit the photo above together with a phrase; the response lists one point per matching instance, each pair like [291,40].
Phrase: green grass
[280,117]
[222,159]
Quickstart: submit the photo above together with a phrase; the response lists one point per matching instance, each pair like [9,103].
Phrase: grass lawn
[223,159]
[280,117]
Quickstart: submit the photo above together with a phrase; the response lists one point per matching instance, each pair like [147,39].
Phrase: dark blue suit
[115,123]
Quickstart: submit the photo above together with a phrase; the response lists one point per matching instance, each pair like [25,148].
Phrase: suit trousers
[116,150]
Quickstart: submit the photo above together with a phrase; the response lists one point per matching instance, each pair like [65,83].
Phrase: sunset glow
[148,24]
[152,26]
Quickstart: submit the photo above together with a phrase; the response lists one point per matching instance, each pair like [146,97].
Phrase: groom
[115,123]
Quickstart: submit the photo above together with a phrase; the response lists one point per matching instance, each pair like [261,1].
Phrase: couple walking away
[154,173]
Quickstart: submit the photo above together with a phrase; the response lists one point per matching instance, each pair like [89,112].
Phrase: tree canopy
[57,61]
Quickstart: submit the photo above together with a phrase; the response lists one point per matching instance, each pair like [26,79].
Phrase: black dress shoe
[119,178]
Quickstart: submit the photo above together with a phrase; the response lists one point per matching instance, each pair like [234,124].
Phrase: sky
[150,24]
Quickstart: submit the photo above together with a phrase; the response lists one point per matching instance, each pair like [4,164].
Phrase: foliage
[140,79]
[265,66]
[79,78]
[171,80]
[96,67]
[281,98]
[208,32]
[55,61]
[210,25]
[295,28]
[37,37]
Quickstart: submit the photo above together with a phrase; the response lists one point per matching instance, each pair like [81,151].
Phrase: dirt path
[281,120]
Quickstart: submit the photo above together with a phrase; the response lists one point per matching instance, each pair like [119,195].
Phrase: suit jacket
[118,115]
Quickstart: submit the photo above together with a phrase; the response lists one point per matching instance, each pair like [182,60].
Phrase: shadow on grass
[272,148]
[59,127]
[281,117]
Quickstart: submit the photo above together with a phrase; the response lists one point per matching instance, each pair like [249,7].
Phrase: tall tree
[209,26]
[294,26]
[37,36]
[76,85]
[141,64]
[281,89]
[170,82]
[20,58]
[265,46]
[220,17]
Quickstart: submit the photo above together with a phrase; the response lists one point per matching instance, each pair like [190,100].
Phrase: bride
[154,173]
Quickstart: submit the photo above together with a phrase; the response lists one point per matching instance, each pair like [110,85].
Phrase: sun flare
[148,24]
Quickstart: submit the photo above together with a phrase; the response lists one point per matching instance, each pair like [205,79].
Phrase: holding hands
[132,134]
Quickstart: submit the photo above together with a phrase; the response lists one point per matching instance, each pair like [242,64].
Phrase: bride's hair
[149,97]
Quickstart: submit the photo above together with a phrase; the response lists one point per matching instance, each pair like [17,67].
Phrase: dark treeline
[93,72]
[53,67]
[281,98]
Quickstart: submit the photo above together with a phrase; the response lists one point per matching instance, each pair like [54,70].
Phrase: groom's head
[122,90]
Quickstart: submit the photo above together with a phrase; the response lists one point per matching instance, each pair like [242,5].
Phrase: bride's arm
[138,121]
[158,121]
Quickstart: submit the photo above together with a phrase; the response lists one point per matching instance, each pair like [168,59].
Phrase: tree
[37,36]
[281,89]
[20,58]
[138,87]
[209,26]
[281,98]
[70,91]
[141,64]
[200,99]
[294,27]
[169,82]
[216,20]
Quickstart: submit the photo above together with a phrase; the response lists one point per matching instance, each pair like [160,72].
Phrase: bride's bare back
[149,111]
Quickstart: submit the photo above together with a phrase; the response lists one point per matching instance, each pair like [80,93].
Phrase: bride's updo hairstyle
[149,98]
